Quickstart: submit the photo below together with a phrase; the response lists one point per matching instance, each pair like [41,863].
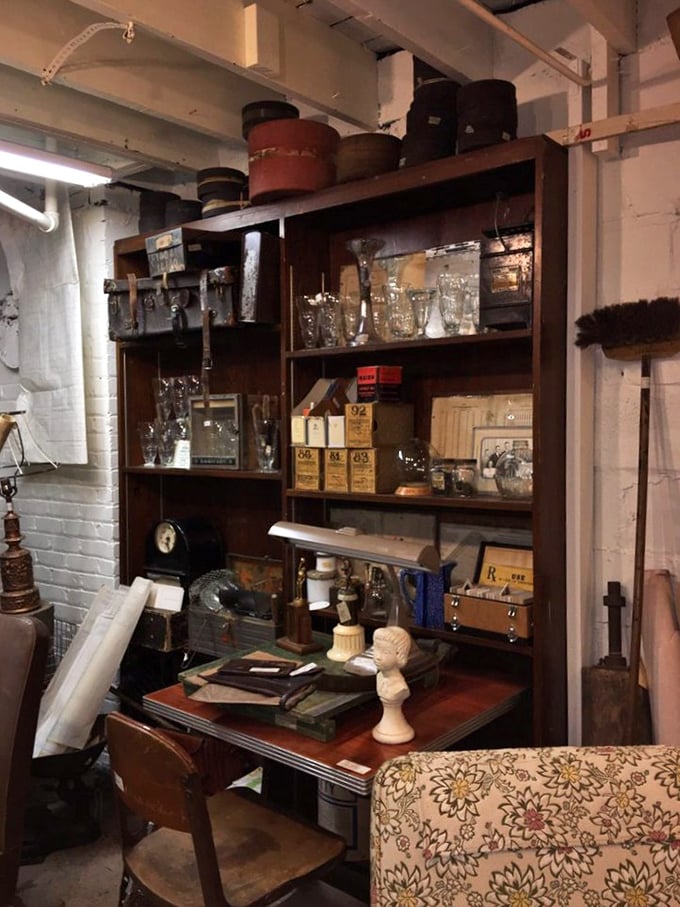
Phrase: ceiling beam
[80,118]
[316,65]
[614,19]
[439,32]
[146,75]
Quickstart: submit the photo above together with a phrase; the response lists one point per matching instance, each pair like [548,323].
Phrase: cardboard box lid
[329,396]
[500,564]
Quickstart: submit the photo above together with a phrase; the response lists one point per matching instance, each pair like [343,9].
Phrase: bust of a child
[391,647]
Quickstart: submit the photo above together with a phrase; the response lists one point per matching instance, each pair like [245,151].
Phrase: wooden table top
[461,702]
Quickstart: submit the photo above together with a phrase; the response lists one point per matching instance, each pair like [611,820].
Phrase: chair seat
[260,852]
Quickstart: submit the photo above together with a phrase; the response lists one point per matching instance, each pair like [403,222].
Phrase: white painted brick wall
[638,235]
[70,517]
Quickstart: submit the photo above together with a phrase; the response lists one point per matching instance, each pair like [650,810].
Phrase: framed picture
[492,441]
[455,418]
[217,431]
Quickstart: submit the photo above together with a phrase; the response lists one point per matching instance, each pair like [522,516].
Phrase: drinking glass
[380,320]
[266,426]
[148,441]
[400,314]
[349,312]
[330,321]
[451,290]
[421,300]
[162,395]
[308,308]
[168,434]
[470,321]
[267,444]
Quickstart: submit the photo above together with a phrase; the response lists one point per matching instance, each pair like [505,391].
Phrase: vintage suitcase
[145,306]
[500,600]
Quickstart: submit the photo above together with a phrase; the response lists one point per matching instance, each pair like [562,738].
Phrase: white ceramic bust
[391,647]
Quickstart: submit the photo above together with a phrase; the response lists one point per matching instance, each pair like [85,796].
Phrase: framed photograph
[492,441]
[217,431]
[455,418]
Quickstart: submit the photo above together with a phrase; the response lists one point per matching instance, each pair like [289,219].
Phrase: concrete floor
[83,875]
[90,874]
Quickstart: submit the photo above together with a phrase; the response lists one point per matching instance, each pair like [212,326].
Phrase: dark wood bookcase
[442,202]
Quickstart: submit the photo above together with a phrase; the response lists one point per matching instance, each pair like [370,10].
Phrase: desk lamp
[351,543]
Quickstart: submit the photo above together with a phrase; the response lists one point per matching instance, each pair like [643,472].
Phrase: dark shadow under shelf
[201,472]
[481,502]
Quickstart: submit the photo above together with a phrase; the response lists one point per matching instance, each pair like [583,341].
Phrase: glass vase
[364,251]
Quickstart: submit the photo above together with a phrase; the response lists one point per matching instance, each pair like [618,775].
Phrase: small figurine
[298,636]
[301,579]
[391,648]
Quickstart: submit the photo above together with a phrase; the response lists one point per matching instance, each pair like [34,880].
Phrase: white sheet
[44,277]
[75,694]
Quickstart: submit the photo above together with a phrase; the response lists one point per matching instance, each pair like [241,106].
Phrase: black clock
[183,549]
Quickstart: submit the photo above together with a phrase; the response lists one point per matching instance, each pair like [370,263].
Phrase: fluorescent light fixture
[350,543]
[50,166]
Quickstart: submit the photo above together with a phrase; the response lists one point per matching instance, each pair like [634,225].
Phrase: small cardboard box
[373,470]
[307,468]
[378,424]
[335,431]
[379,382]
[336,470]
[328,396]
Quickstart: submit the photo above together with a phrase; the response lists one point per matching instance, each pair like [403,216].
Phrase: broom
[644,330]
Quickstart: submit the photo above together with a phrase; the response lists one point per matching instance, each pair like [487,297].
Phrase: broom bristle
[631,323]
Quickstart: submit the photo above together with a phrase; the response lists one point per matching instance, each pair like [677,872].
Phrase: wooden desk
[462,702]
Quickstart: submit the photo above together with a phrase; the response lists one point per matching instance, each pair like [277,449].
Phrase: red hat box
[290,157]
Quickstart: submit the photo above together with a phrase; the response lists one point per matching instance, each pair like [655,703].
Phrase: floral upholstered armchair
[566,826]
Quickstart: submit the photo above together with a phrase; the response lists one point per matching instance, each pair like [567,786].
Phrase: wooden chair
[23,654]
[228,850]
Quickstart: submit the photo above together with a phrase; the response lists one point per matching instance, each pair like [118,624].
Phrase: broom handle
[640,538]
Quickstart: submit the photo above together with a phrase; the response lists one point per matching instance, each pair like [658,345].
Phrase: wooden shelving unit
[442,202]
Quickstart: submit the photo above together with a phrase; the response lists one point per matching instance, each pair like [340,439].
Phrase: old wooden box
[500,601]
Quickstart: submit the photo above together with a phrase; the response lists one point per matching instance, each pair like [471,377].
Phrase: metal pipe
[47,222]
[483,13]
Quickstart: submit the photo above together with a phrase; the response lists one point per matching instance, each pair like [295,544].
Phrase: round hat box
[152,209]
[487,113]
[366,154]
[263,111]
[220,182]
[290,157]
[181,211]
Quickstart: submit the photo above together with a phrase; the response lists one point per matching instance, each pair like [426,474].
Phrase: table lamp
[352,543]
[19,593]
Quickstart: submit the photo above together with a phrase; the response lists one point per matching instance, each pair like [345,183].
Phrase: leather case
[148,306]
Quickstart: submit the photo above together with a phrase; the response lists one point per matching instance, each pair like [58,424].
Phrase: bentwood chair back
[227,850]
[23,654]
